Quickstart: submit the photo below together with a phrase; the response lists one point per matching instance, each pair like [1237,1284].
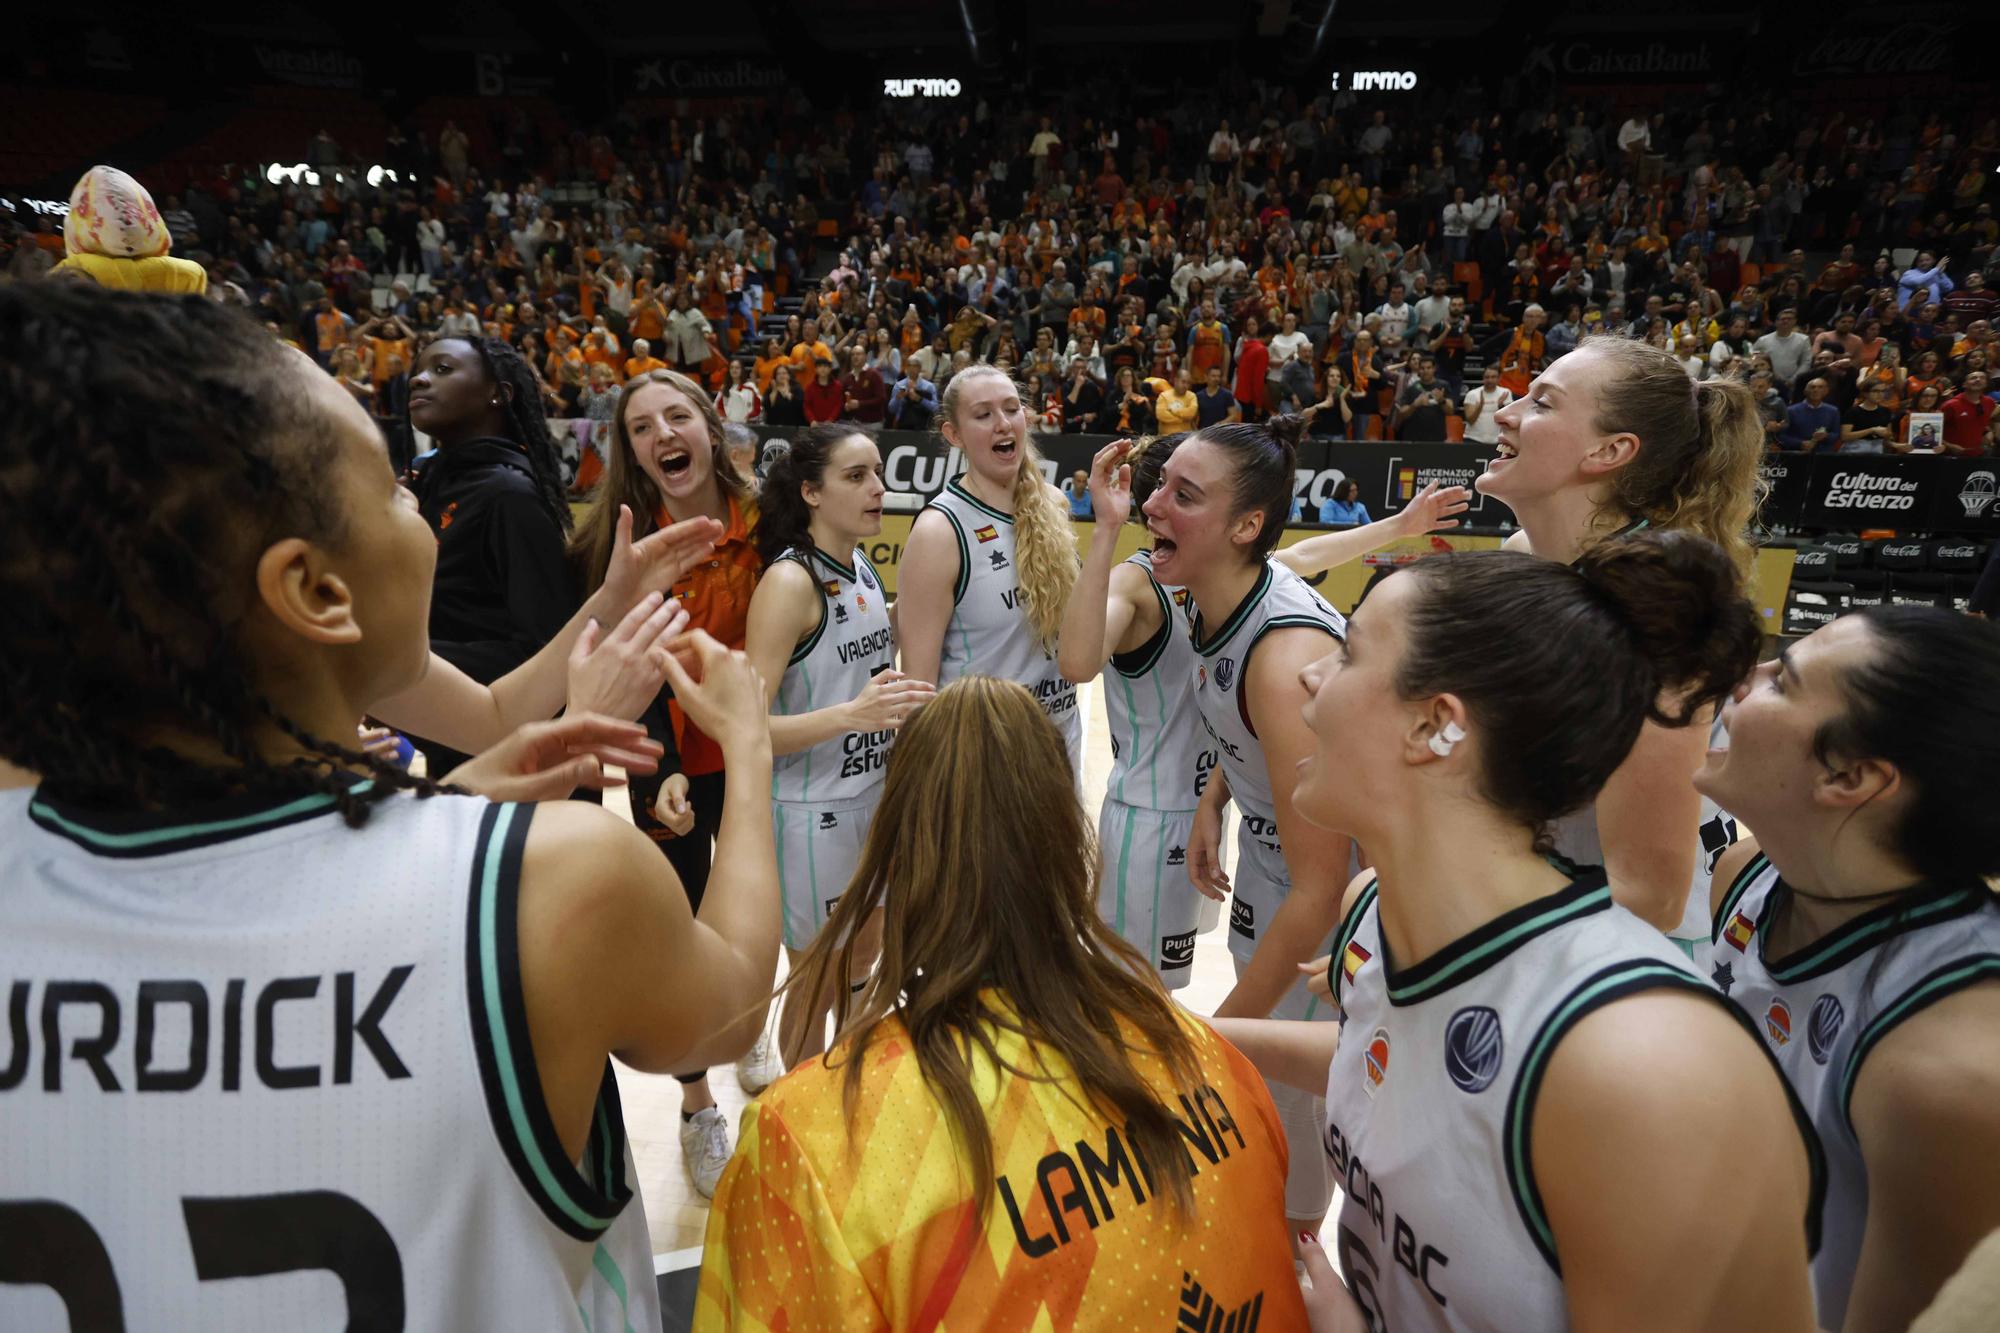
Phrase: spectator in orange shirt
[807,350]
[600,348]
[643,361]
[768,362]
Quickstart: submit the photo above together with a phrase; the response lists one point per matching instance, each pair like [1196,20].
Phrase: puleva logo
[1778,1021]
[1243,919]
[1823,1027]
[1177,950]
[1225,671]
[1375,1061]
[1472,1048]
[987,534]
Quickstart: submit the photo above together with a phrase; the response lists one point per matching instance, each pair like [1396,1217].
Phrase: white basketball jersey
[852,643]
[1161,758]
[989,634]
[1430,1101]
[1824,1008]
[1277,600]
[1577,840]
[266,1071]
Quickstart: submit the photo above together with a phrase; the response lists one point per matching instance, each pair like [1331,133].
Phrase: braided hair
[150,448]
[527,423]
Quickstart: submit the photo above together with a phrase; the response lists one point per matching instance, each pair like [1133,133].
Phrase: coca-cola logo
[1907,48]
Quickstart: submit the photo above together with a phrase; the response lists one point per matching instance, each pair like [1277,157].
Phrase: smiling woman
[668,464]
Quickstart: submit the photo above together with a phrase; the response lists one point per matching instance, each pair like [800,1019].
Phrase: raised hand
[1434,509]
[619,672]
[654,563]
[719,689]
[1111,484]
[545,761]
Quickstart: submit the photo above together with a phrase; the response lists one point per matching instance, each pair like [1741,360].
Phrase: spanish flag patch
[1739,931]
[1351,959]
[832,587]
[987,533]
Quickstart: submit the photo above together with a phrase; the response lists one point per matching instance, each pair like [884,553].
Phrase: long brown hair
[626,483]
[984,867]
[1044,543]
[1696,469]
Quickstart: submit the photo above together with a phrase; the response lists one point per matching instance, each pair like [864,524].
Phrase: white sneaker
[760,1068]
[705,1148]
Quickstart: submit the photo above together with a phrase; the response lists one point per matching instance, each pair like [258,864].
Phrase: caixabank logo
[1871,492]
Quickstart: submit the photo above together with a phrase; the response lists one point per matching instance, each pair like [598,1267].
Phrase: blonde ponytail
[1699,449]
[1044,549]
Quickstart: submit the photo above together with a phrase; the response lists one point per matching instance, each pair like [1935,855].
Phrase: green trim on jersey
[1236,617]
[1615,983]
[1946,981]
[850,575]
[1471,954]
[1867,931]
[1350,926]
[1154,647]
[157,833]
[804,647]
[580,1206]
[1757,865]
[975,501]
[964,554]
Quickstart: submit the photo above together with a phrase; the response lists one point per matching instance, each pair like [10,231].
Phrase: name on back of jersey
[175,1034]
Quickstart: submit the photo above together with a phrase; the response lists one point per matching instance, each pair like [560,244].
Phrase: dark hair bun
[1289,431]
[1678,595]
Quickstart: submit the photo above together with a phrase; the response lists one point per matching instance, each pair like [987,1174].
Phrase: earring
[1441,742]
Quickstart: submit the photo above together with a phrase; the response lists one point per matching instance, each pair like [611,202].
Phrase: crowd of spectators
[1390,273]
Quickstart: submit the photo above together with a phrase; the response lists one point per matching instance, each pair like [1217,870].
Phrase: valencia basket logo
[1977,494]
[1472,1048]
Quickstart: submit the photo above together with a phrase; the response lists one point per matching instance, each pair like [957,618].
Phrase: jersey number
[47,1244]
[1358,1266]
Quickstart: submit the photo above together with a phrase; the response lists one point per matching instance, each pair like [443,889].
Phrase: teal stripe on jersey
[778,835]
[1520,1166]
[1159,712]
[496,1028]
[1946,981]
[174,832]
[1124,865]
[607,1268]
[1502,943]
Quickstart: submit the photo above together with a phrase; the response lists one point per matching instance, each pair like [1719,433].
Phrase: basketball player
[1859,930]
[1522,1061]
[821,638]
[287,1016]
[1254,625]
[1016,1129]
[1607,442]
[989,564]
[1118,616]
[667,464]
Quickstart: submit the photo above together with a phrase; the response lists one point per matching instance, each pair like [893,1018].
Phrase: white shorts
[1145,894]
[818,849]
[1258,885]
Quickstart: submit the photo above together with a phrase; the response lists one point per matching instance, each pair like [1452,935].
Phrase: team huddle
[1612,977]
